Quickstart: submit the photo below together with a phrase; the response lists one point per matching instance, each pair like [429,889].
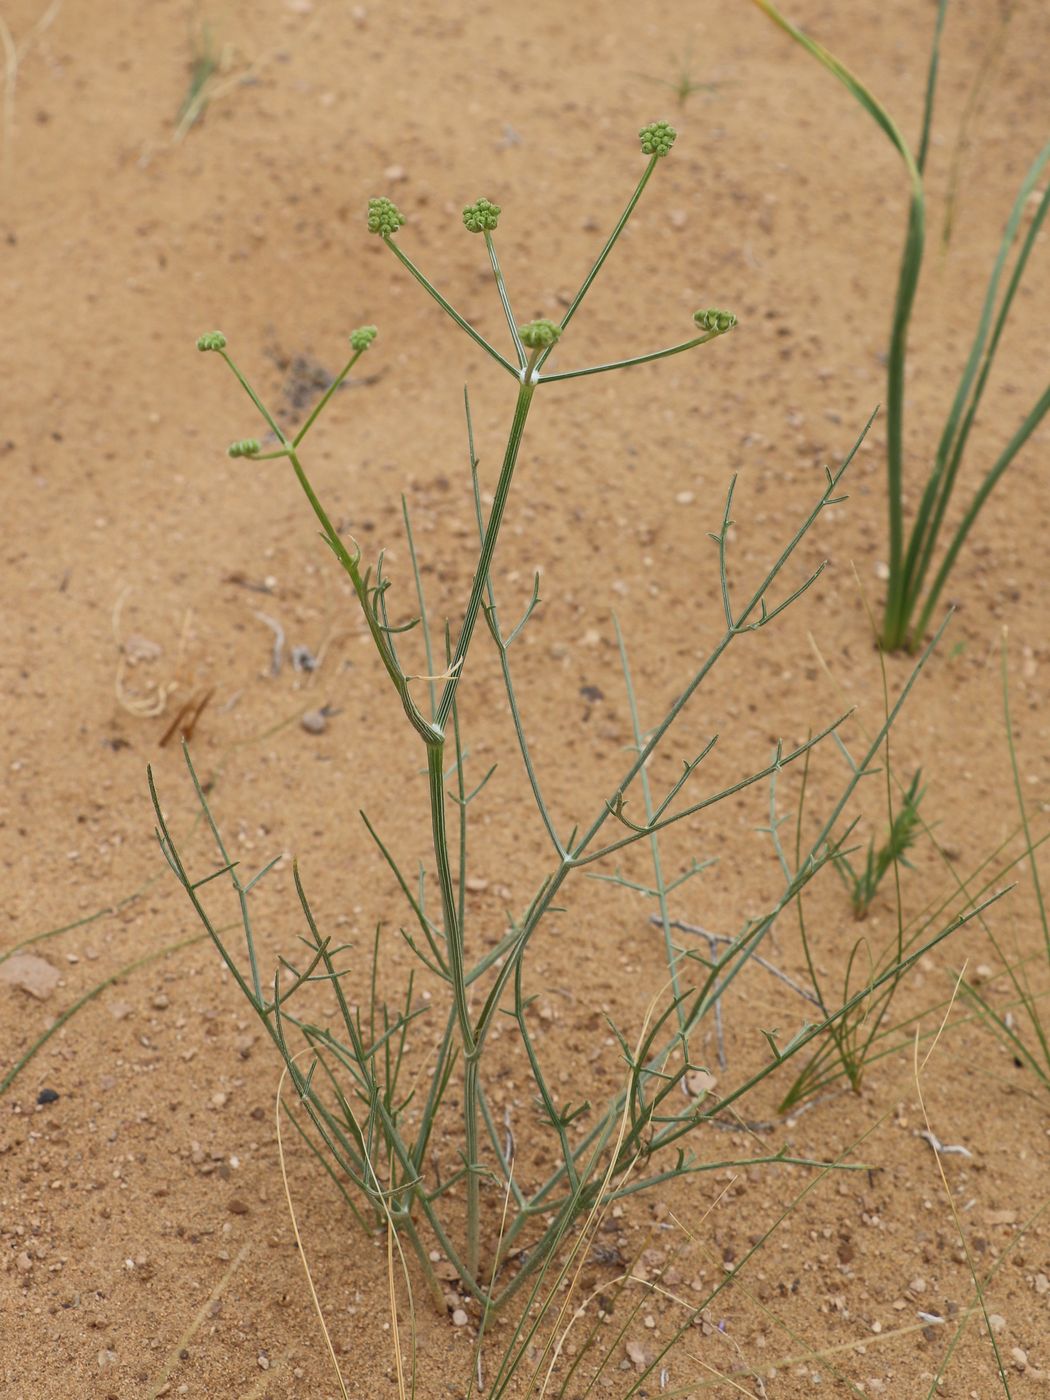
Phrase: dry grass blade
[393,1242]
[200,1317]
[13,55]
[949,1196]
[298,1238]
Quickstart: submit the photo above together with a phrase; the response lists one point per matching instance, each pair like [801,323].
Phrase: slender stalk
[526,390]
[512,324]
[911,264]
[322,403]
[634,360]
[610,243]
[448,308]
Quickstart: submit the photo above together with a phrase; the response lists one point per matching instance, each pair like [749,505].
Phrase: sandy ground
[147,1246]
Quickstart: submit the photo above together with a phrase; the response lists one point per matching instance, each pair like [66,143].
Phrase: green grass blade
[908,279]
[931,88]
[939,486]
[988,485]
[70,1011]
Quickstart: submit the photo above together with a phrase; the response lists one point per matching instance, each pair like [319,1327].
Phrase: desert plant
[912,597]
[205,63]
[863,882]
[683,85]
[373,1116]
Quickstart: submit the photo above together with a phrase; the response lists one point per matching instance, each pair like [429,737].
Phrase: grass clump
[915,585]
[371,1112]
[863,881]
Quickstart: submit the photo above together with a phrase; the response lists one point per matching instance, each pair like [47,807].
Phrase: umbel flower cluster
[481,216]
[713,320]
[537,335]
[362,338]
[657,138]
[384,217]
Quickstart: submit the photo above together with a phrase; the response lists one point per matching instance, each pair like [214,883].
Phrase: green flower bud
[537,335]
[213,340]
[384,217]
[247,447]
[657,138]
[362,338]
[481,216]
[713,320]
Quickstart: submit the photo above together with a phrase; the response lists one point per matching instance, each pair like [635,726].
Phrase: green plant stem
[323,401]
[447,307]
[526,390]
[911,263]
[512,324]
[635,359]
[610,243]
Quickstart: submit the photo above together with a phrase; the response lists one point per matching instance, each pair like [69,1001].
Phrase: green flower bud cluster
[362,338]
[713,320]
[384,217]
[481,216]
[537,335]
[247,447]
[657,138]
[213,340]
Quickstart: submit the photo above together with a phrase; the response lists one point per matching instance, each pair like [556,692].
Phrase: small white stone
[459,1318]
[314,722]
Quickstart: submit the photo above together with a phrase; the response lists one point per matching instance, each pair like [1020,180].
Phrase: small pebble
[314,722]
[699,1082]
[47,1096]
[459,1318]
[237,1207]
[1019,1358]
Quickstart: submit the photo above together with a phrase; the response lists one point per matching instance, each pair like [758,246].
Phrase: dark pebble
[47,1096]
